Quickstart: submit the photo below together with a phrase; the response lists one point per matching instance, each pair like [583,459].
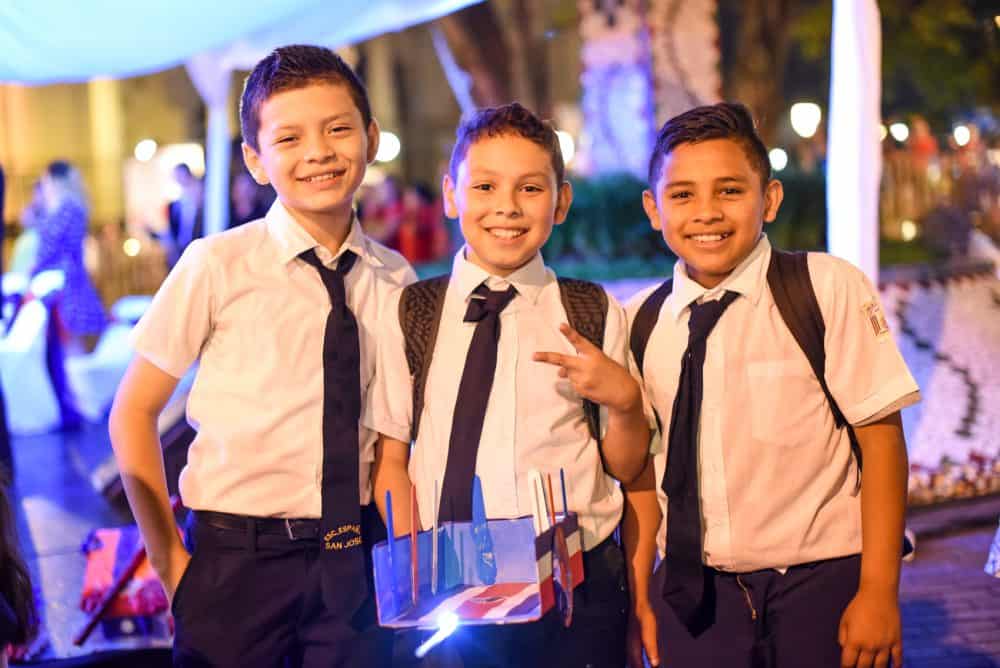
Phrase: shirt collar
[291,239]
[747,279]
[527,280]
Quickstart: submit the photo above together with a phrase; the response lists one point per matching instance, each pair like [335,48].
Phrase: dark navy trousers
[764,619]
[254,600]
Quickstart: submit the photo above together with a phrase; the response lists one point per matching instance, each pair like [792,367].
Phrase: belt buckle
[289,530]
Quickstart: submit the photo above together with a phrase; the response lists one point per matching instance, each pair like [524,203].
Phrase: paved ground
[951,608]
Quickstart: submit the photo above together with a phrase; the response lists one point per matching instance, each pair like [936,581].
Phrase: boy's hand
[642,637]
[870,631]
[594,375]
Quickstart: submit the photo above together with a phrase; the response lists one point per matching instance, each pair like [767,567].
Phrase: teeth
[506,234]
[709,237]
[321,177]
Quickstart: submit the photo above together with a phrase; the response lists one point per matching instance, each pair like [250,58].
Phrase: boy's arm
[390,474]
[640,524]
[141,396]
[597,377]
[870,627]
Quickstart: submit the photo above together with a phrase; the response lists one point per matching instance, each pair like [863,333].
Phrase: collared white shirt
[254,315]
[534,418]
[776,477]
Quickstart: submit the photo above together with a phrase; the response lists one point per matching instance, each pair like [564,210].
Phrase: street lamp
[805,118]
[388,147]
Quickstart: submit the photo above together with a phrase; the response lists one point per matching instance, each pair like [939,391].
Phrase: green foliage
[801,221]
[606,220]
[607,235]
[938,56]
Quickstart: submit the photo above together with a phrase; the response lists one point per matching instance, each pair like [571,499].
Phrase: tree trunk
[757,77]
[475,36]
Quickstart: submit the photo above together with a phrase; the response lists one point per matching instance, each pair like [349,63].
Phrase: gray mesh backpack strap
[586,306]
[420,308]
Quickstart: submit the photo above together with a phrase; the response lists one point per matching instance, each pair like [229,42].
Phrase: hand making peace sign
[594,375]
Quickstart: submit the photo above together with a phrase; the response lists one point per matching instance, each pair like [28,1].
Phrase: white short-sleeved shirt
[254,315]
[534,418]
[777,479]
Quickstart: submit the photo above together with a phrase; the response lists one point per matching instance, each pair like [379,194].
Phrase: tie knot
[485,301]
[344,264]
[704,316]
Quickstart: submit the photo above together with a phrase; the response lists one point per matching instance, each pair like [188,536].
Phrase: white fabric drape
[854,157]
[60,41]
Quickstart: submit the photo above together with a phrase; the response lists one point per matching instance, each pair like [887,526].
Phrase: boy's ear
[448,190]
[773,194]
[252,160]
[374,133]
[565,199]
[652,211]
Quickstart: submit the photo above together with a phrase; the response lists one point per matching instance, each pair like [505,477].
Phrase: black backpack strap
[642,328]
[420,308]
[791,286]
[645,321]
[586,306]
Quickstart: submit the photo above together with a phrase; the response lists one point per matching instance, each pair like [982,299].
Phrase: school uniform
[533,420]
[777,483]
[249,308]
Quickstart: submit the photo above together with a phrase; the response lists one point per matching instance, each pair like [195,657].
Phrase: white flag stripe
[451,604]
[512,602]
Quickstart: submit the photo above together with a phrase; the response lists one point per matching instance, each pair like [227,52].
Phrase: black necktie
[470,407]
[343,577]
[684,586]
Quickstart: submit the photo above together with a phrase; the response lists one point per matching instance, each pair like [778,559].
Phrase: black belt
[293,529]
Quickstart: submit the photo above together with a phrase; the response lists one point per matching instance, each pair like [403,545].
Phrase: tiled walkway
[951,608]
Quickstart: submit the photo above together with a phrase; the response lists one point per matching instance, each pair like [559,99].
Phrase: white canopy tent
[64,41]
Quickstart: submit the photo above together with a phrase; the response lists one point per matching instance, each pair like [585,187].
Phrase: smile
[506,233]
[319,178]
[709,238]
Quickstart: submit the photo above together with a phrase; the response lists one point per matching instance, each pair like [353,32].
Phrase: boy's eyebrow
[721,179]
[486,171]
[295,126]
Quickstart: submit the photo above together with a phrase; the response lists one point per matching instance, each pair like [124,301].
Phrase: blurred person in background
[422,233]
[185,215]
[22,256]
[61,231]
[6,458]
[247,200]
[382,212]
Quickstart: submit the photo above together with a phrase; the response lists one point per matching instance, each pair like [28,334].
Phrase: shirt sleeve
[864,369]
[389,405]
[178,322]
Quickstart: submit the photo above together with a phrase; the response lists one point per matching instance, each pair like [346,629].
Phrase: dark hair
[15,582]
[510,119]
[296,66]
[59,169]
[725,120]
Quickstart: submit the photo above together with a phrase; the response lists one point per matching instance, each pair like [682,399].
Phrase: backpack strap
[645,321]
[586,306]
[642,328]
[790,284]
[420,308]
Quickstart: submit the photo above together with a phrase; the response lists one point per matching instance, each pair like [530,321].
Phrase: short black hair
[296,66]
[725,120]
[509,119]
[59,169]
